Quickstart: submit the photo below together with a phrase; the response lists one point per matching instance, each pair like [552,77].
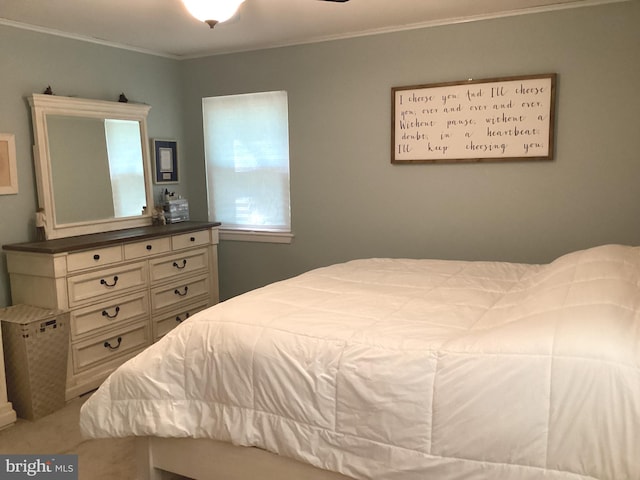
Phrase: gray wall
[79,168]
[31,61]
[348,201]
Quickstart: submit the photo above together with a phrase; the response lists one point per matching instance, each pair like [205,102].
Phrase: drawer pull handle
[149,247]
[96,257]
[180,320]
[177,292]
[108,315]
[108,345]
[107,284]
[184,264]
[192,239]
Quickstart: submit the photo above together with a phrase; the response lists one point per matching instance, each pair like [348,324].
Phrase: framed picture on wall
[495,119]
[165,153]
[8,171]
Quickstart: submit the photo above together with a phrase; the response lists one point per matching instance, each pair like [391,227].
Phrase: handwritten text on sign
[509,118]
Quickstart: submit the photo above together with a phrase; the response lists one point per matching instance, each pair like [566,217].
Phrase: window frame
[250,233]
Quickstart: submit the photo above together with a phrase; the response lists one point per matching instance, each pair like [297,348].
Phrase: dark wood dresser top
[83,242]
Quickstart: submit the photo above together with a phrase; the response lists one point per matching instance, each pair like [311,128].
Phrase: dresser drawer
[93,258]
[110,314]
[192,239]
[106,283]
[101,349]
[165,323]
[180,293]
[186,263]
[149,247]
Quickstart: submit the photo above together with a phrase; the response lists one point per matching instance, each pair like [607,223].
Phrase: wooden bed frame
[202,459]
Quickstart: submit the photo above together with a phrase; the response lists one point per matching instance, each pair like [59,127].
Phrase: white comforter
[408,369]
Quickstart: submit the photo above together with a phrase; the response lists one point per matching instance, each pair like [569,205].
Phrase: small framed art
[165,163]
[8,169]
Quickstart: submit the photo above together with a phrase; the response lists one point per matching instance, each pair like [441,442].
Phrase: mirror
[92,164]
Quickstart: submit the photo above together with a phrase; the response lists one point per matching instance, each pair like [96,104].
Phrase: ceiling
[163,27]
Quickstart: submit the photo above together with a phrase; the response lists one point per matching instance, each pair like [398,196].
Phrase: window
[246,141]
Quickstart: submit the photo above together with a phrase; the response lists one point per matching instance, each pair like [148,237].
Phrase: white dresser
[124,289]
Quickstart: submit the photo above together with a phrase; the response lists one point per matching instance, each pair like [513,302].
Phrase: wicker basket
[36,343]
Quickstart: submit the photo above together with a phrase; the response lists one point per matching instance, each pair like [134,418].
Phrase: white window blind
[246,141]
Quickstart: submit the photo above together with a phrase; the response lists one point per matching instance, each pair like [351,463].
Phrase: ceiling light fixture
[212,12]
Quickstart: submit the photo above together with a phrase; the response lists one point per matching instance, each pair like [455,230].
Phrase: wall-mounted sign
[494,119]
[8,170]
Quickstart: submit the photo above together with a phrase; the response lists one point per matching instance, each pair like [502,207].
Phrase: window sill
[254,236]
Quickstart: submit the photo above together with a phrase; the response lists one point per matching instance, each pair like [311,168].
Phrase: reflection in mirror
[103,164]
[92,164]
[125,167]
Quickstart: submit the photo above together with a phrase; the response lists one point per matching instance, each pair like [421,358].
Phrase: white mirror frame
[43,105]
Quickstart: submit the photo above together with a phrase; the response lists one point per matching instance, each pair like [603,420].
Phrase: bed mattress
[407,369]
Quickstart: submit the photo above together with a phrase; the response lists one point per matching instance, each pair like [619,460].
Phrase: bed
[397,369]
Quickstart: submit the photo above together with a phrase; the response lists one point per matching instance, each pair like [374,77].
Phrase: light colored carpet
[59,433]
